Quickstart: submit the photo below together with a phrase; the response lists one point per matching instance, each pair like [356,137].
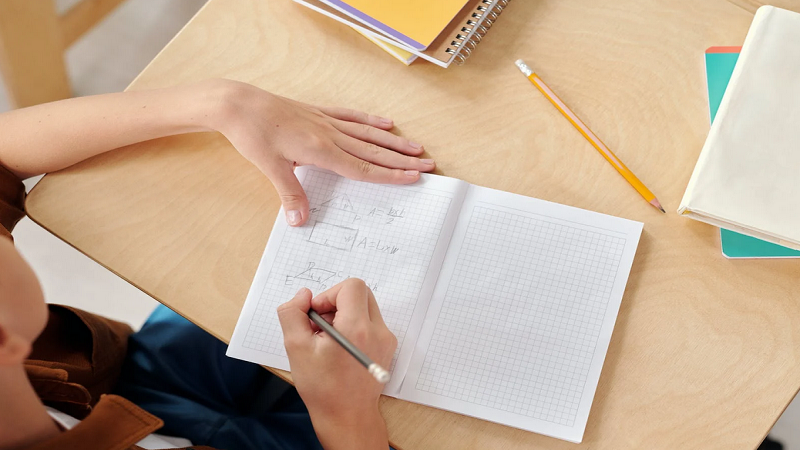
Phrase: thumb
[293,316]
[293,197]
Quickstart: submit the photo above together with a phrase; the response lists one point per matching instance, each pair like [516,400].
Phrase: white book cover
[746,178]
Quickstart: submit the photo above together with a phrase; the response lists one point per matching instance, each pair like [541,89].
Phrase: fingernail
[301,292]
[386,121]
[412,173]
[293,217]
[427,162]
[415,145]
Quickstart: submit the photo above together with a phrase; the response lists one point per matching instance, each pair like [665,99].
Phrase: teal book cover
[720,62]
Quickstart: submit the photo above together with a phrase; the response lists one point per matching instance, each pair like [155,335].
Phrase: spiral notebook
[453,39]
[503,305]
[404,56]
[414,23]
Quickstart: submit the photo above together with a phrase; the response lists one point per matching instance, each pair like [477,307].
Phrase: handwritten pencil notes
[394,238]
[503,305]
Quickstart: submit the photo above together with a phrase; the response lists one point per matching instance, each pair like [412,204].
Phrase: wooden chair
[33,38]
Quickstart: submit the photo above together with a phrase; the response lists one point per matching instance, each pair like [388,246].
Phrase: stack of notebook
[746,178]
[720,62]
[442,32]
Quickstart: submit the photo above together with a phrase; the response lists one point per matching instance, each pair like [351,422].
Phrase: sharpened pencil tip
[657,205]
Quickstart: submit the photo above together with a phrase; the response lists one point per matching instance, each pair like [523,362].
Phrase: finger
[374,310]
[328,299]
[293,197]
[381,156]
[349,166]
[293,316]
[328,317]
[379,137]
[351,115]
[347,299]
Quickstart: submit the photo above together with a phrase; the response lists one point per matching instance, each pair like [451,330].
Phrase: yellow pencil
[590,136]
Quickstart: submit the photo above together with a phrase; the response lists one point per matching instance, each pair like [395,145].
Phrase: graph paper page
[392,237]
[522,315]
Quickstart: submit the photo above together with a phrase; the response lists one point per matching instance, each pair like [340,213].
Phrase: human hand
[341,396]
[276,134]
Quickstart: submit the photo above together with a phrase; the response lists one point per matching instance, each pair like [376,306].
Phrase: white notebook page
[392,237]
[522,314]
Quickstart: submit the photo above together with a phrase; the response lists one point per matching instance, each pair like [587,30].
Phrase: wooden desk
[706,351]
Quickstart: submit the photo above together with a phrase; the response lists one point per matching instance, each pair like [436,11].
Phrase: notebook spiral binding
[483,19]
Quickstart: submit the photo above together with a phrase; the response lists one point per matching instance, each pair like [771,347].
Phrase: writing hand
[341,396]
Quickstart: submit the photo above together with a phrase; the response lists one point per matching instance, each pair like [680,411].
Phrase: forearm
[52,136]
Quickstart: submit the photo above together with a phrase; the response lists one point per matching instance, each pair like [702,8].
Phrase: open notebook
[503,305]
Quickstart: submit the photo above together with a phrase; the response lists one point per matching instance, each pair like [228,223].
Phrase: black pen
[374,368]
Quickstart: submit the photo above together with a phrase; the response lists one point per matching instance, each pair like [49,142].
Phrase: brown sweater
[76,361]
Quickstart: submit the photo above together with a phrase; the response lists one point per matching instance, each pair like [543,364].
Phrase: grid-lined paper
[522,315]
[504,305]
[385,235]
[521,318]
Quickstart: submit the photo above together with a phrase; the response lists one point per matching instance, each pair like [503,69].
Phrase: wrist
[352,430]
[191,108]
[217,103]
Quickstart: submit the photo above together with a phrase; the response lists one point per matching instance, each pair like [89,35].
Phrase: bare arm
[275,134]
[52,136]
[272,132]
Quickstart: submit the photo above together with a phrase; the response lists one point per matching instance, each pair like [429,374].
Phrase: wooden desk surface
[706,351]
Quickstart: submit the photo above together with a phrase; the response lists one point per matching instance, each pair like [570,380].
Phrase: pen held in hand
[380,374]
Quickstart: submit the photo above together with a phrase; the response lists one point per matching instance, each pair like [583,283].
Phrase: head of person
[23,312]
